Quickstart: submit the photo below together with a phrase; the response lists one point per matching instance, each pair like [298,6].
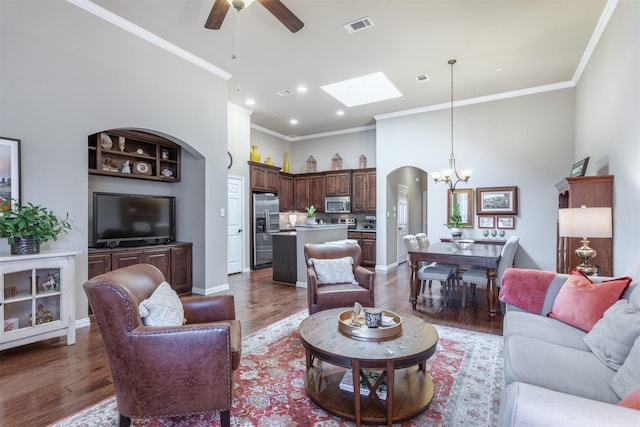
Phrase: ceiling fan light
[240,4]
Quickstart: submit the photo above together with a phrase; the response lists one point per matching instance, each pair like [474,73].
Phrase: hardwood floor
[43,382]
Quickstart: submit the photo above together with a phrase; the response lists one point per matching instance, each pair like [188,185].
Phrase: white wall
[67,74]
[608,124]
[525,142]
[350,146]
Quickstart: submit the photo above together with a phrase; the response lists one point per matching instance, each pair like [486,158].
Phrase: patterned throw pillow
[162,308]
[334,271]
[581,303]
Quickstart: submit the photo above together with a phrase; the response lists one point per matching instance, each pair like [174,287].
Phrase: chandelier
[451,173]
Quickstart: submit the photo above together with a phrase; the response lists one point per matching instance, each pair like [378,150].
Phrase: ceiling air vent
[358,25]
[421,78]
[285,92]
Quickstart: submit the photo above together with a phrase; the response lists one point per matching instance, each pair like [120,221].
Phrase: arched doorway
[413,181]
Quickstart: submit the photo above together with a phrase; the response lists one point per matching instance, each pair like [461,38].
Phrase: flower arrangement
[455,221]
[311,211]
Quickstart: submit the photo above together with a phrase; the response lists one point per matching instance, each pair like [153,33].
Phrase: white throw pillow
[162,308]
[627,379]
[333,271]
[612,337]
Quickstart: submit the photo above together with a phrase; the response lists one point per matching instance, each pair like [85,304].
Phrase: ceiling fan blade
[218,12]
[283,14]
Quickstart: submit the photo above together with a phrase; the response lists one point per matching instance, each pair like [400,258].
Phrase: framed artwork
[579,168]
[486,221]
[507,222]
[464,199]
[497,200]
[9,169]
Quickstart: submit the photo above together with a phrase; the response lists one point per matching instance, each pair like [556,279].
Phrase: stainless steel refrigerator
[266,221]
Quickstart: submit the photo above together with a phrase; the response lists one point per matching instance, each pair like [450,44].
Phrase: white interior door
[235,233]
[403,220]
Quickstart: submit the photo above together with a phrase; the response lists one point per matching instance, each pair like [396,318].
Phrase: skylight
[363,90]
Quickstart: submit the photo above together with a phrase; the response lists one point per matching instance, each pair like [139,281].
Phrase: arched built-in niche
[189,192]
[416,180]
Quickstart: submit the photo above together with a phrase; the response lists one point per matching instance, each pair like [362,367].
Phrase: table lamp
[585,222]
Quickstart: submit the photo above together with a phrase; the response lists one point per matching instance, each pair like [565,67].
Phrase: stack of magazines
[346,383]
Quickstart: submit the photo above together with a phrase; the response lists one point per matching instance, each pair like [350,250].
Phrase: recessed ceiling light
[340,112]
[499,69]
[302,89]
[250,101]
[363,90]
[293,121]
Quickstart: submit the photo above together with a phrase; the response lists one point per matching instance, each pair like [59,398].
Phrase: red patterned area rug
[466,371]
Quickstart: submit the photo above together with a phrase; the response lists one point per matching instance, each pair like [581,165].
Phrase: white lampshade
[585,222]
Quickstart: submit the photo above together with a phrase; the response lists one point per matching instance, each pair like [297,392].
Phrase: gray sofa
[552,378]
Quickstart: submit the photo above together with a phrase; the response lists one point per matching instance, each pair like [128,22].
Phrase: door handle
[240,230]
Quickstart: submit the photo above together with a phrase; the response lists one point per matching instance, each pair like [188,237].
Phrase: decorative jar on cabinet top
[286,166]
[254,155]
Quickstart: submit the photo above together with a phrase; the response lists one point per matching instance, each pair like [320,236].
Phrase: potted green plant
[26,226]
[455,222]
[311,212]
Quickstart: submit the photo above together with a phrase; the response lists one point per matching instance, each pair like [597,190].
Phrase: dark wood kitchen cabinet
[264,178]
[367,242]
[363,199]
[285,194]
[338,183]
[173,260]
[309,189]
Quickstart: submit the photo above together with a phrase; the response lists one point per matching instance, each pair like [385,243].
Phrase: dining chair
[446,274]
[478,275]
[423,242]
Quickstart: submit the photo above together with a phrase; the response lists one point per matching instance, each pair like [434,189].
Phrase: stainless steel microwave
[341,204]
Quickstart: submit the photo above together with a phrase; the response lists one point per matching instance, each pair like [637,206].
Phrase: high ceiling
[500,46]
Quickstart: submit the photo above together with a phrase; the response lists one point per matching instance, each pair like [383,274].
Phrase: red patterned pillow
[632,401]
[581,303]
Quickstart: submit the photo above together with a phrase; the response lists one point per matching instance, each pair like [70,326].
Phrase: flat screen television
[132,219]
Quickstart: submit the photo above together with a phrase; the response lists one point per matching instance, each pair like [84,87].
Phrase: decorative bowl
[464,243]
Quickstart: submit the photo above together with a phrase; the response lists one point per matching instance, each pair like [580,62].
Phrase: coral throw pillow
[632,401]
[581,303]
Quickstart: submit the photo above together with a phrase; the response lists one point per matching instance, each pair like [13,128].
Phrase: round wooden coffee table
[401,359]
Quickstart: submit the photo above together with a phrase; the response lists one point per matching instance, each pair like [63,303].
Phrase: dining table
[478,254]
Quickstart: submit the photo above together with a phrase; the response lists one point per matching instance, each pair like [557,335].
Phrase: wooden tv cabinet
[174,260]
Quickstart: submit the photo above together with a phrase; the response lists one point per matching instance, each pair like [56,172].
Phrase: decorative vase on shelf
[268,161]
[254,155]
[286,166]
[25,246]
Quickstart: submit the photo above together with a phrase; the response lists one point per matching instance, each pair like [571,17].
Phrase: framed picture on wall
[507,222]
[497,200]
[485,221]
[9,169]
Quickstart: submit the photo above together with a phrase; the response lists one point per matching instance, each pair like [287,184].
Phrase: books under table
[346,383]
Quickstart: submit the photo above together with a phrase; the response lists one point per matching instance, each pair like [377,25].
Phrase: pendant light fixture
[449,175]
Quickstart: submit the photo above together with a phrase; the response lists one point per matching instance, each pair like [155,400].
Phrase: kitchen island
[320,233]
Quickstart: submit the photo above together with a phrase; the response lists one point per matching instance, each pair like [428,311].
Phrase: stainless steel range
[351,222]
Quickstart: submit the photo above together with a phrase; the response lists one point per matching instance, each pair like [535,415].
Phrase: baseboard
[210,291]
[387,267]
[300,284]
[83,323]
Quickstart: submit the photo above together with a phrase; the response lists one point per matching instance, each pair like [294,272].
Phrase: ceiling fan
[277,9]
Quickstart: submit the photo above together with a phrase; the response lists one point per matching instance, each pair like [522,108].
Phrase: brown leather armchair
[326,296]
[165,371]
